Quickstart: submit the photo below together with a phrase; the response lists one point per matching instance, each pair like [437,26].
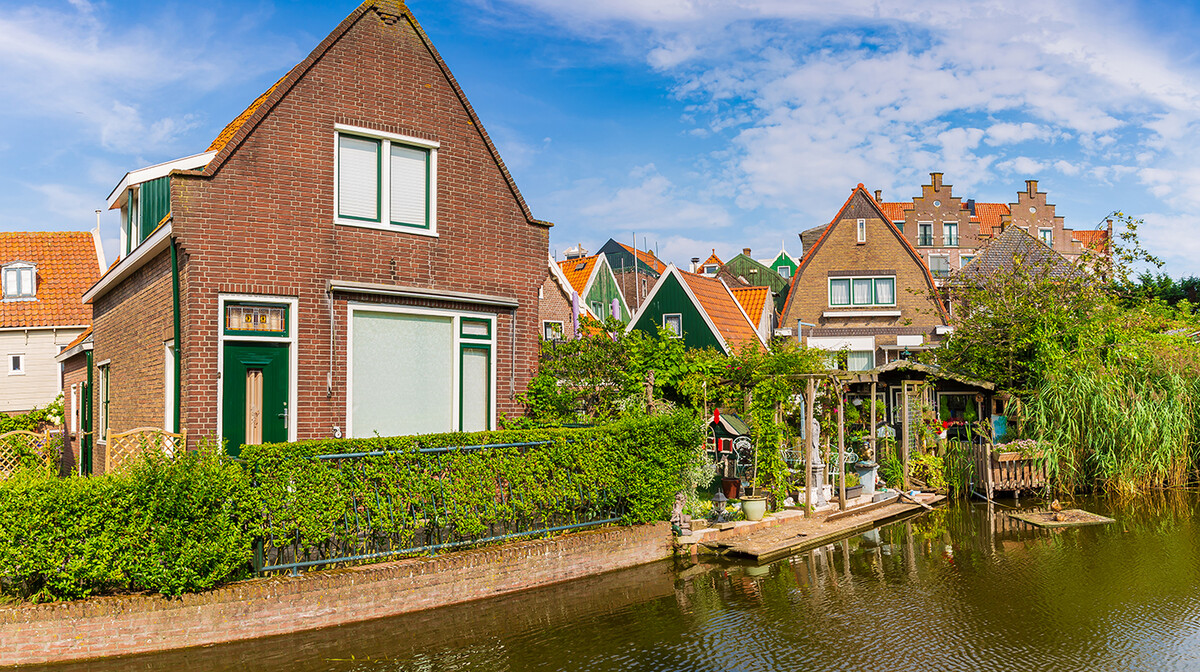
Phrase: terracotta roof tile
[1093,240]
[646,258]
[722,309]
[80,338]
[752,299]
[989,217]
[230,129]
[66,267]
[713,259]
[895,211]
[578,271]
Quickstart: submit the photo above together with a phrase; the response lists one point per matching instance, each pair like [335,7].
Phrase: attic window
[385,181]
[862,230]
[711,269]
[20,281]
[580,266]
[673,322]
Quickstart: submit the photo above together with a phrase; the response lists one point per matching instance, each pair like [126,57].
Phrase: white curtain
[358,177]
[862,292]
[860,360]
[885,291]
[839,292]
[402,368]
[408,185]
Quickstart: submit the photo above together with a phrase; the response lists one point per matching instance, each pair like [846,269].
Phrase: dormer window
[20,281]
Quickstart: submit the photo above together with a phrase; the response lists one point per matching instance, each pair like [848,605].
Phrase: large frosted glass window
[409,185]
[860,360]
[862,291]
[403,374]
[358,178]
[839,292]
[476,397]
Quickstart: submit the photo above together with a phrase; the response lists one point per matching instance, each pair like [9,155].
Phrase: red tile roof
[989,217]
[1093,240]
[232,127]
[646,258]
[578,271]
[80,338]
[712,259]
[66,267]
[895,211]
[753,299]
[723,310]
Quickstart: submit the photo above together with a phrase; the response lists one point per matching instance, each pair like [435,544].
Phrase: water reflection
[962,588]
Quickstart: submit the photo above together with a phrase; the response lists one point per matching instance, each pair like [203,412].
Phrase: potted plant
[754,508]
[853,485]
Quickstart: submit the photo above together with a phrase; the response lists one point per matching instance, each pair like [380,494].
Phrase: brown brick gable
[837,253]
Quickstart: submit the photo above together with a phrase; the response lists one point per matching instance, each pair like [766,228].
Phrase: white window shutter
[408,185]
[358,178]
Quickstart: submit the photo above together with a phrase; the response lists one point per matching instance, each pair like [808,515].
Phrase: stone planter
[754,507]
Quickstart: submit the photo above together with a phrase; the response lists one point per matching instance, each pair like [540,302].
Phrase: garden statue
[817,476]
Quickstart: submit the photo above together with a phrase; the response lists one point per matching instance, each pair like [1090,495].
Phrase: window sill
[430,232]
[16,373]
[861,313]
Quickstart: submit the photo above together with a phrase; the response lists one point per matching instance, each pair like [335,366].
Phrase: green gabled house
[784,264]
[592,278]
[746,270]
[702,311]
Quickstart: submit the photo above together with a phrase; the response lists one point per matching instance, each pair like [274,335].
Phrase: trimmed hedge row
[187,524]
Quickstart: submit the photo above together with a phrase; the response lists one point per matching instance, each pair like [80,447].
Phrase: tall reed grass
[1121,428]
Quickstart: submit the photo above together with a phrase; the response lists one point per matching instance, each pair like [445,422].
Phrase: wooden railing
[1009,470]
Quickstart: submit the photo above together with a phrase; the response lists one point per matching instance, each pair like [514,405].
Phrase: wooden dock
[801,534]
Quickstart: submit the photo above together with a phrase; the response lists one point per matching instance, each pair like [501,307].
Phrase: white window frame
[920,227]
[15,268]
[1043,234]
[861,230]
[946,240]
[169,384]
[291,338]
[679,319]
[74,419]
[712,269]
[103,373]
[456,365]
[934,273]
[562,331]
[874,293]
[386,139]
[784,272]
[19,370]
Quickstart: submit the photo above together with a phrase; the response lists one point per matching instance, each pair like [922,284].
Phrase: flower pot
[731,486]
[754,507]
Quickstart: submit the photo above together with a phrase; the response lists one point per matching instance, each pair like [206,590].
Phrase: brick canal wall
[115,626]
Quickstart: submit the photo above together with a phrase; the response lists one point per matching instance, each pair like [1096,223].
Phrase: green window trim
[487,381]
[378,219]
[428,181]
[255,304]
[486,324]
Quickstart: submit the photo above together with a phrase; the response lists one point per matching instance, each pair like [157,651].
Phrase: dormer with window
[19,281]
[144,199]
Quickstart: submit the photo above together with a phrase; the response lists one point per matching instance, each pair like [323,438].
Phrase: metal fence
[377,521]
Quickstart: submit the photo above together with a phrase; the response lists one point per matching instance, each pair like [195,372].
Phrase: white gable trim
[116,198]
[672,271]
[745,315]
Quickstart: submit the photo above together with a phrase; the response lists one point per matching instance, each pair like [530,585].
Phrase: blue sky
[696,123]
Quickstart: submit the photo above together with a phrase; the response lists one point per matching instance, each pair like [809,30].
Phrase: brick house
[948,231]
[864,289]
[702,311]
[76,362]
[350,256]
[42,275]
[556,311]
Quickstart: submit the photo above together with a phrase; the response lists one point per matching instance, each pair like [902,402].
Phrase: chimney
[746,251]
[935,180]
[695,265]
[878,195]
[1031,187]
[971,206]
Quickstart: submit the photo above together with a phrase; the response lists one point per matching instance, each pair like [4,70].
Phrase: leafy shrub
[168,526]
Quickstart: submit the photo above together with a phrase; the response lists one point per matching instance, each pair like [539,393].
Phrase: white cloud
[1008,133]
[1066,167]
[1022,165]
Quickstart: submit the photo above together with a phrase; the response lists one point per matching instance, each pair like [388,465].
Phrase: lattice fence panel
[123,448]
[31,448]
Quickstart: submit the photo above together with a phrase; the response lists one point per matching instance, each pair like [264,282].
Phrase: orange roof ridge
[722,308]
[232,127]
[579,271]
[66,266]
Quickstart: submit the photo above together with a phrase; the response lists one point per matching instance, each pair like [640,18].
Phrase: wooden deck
[800,534]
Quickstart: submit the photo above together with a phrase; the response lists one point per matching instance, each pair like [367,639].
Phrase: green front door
[255,381]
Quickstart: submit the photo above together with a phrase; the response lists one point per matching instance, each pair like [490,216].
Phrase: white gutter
[67,354]
[157,242]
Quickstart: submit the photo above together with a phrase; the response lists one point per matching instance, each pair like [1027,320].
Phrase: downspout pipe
[178,342]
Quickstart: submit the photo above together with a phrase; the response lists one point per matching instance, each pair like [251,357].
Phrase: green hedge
[187,524]
[168,526]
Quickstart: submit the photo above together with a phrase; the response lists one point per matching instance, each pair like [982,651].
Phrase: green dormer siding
[153,202]
[672,298]
[758,275]
[604,290]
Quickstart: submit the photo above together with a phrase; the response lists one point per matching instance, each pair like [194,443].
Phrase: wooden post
[904,441]
[841,461]
[871,432]
[650,391]
[808,443]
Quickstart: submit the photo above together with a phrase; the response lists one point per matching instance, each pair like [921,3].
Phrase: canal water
[962,588]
